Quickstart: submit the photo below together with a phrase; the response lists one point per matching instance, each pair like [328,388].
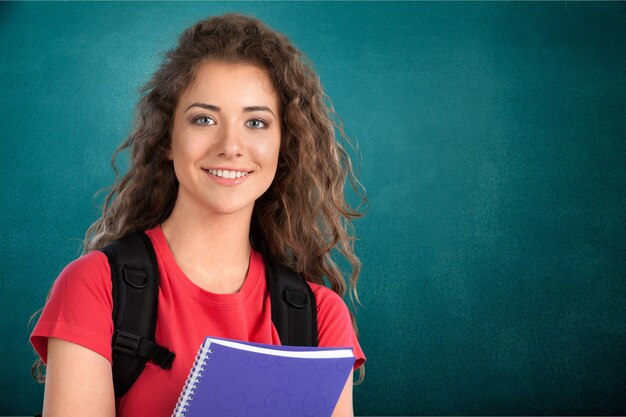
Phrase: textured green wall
[493,138]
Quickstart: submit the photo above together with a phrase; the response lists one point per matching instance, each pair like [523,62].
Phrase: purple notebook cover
[230,382]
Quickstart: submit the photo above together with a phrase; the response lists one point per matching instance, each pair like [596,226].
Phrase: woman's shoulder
[326,297]
[91,262]
[330,305]
[89,271]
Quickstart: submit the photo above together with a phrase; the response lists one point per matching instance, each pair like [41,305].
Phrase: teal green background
[493,142]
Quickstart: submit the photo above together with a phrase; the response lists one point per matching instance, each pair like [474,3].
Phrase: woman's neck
[213,250]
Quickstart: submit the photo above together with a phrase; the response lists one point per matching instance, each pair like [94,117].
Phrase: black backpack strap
[294,312]
[135,277]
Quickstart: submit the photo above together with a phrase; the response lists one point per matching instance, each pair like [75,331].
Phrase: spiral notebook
[230,378]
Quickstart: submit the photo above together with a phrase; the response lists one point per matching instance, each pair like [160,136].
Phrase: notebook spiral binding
[188,391]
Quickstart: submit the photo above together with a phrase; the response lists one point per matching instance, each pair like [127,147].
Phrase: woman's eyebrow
[248,109]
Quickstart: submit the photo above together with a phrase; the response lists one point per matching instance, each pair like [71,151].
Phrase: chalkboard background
[493,143]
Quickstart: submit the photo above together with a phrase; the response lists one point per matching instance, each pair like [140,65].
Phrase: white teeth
[228,174]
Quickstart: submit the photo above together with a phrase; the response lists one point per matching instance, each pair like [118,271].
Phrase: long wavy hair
[303,217]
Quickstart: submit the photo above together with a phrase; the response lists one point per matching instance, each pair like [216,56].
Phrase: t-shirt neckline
[178,277]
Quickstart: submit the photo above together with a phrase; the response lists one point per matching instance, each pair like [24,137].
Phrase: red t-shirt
[80,310]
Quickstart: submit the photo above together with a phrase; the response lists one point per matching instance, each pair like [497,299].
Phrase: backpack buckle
[125,342]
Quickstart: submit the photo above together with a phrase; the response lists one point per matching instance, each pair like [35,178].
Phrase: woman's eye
[203,121]
[257,124]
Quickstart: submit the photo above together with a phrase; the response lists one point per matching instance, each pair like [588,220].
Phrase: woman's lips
[227,181]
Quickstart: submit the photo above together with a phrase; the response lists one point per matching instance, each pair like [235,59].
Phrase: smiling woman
[235,141]
[235,168]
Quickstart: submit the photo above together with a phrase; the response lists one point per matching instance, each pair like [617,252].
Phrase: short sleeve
[334,323]
[79,307]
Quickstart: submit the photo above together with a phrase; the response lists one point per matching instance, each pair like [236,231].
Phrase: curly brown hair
[304,215]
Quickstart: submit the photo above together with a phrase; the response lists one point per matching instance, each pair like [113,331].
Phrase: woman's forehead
[232,83]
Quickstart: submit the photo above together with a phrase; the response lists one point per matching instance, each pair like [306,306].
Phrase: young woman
[233,160]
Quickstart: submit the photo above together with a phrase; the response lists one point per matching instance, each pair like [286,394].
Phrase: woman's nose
[230,145]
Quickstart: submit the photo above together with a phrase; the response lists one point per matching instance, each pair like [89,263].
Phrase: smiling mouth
[223,173]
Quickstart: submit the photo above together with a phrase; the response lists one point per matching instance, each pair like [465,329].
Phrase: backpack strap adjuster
[126,342]
[139,346]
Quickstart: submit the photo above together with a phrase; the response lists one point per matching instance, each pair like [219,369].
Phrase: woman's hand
[79,382]
[344,404]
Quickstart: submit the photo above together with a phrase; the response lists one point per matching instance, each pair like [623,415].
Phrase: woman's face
[226,138]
